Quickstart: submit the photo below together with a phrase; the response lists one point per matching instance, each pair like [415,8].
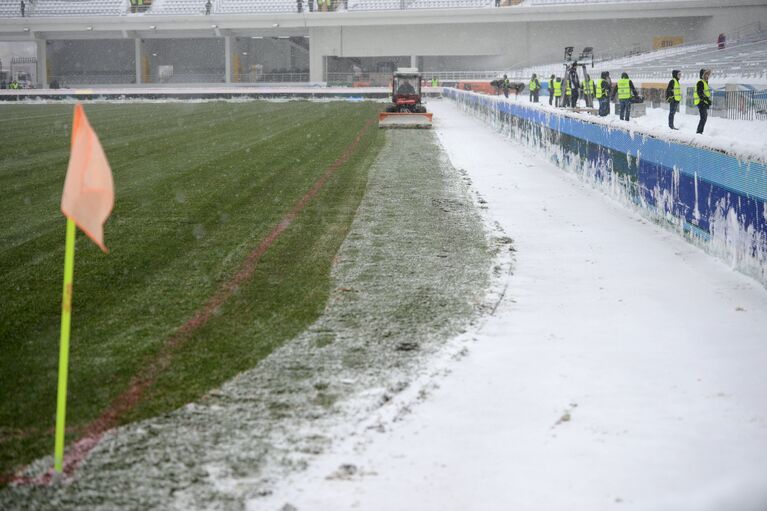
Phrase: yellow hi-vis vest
[598,92]
[588,87]
[624,89]
[557,88]
[677,91]
[706,92]
[568,91]
[533,85]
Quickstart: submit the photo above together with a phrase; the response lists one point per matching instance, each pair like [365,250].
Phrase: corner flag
[87,200]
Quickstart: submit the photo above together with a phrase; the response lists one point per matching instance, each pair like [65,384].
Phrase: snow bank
[712,191]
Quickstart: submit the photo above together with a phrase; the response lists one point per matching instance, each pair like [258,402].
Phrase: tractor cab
[405,109]
[406,90]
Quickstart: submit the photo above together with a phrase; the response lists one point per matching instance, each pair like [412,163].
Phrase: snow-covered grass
[198,186]
[624,369]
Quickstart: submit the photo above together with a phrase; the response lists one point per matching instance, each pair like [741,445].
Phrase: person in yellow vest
[535,87]
[625,92]
[14,85]
[551,89]
[674,97]
[434,81]
[602,93]
[702,98]
[558,92]
[568,91]
[589,91]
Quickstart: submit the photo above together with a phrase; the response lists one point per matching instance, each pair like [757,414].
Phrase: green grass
[198,186]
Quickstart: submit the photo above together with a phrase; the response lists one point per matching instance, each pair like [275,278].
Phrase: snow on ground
[624,369]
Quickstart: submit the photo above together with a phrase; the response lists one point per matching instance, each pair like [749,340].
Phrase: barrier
[715,199]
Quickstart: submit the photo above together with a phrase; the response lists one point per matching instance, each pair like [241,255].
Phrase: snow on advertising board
[716,198]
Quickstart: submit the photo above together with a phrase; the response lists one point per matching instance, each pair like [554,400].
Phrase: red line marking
[126,401]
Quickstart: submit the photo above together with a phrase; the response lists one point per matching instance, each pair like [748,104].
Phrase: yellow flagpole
[66,314]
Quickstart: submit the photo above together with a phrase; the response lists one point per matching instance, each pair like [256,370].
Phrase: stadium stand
[182,7]
[74,8]
[246,6]
[746,58]
[449,4]
[560,2]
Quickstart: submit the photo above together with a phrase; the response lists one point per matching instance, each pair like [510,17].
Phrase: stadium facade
[333,46]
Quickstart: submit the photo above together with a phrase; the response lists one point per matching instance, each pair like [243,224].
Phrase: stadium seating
[180,7]
[747,59]
[75,7]
[559,2]
[252,6]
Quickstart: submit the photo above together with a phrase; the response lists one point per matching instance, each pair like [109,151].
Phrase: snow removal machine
[405,110]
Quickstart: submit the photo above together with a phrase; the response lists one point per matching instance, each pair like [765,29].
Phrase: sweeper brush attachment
[404,120]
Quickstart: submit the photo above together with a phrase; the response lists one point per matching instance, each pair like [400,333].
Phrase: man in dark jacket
[604,90]
[702,98]
[574,83]
[625,92]
[674,97]
[551,89]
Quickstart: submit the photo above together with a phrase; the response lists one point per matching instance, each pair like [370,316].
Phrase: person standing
[720,41]
[574,84]
[601,93]
[551,90]
[535,87]
[702,98]
[23,8]
[558,92]
[505,85]
[589,91]
[606,87]
[674,97]
[209,6]
[567,90]
[625,91]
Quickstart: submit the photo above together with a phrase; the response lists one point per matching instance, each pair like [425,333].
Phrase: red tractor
[405,110]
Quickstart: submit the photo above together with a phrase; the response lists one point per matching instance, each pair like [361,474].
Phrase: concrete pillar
[316,61]
[414,61]
[228,59]
[42,63]
[138,54]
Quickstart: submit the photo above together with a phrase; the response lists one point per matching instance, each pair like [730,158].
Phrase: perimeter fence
[748,105]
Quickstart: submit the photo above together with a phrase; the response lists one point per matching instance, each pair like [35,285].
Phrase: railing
[272,77]
[745,105]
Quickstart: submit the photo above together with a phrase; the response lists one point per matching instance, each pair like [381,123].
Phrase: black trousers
[673,107]
[703,111]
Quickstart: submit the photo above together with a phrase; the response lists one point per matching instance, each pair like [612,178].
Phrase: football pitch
[198,186]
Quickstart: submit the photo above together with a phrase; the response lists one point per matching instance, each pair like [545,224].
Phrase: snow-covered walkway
[626,369]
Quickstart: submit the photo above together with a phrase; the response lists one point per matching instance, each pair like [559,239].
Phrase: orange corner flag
[88,188]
